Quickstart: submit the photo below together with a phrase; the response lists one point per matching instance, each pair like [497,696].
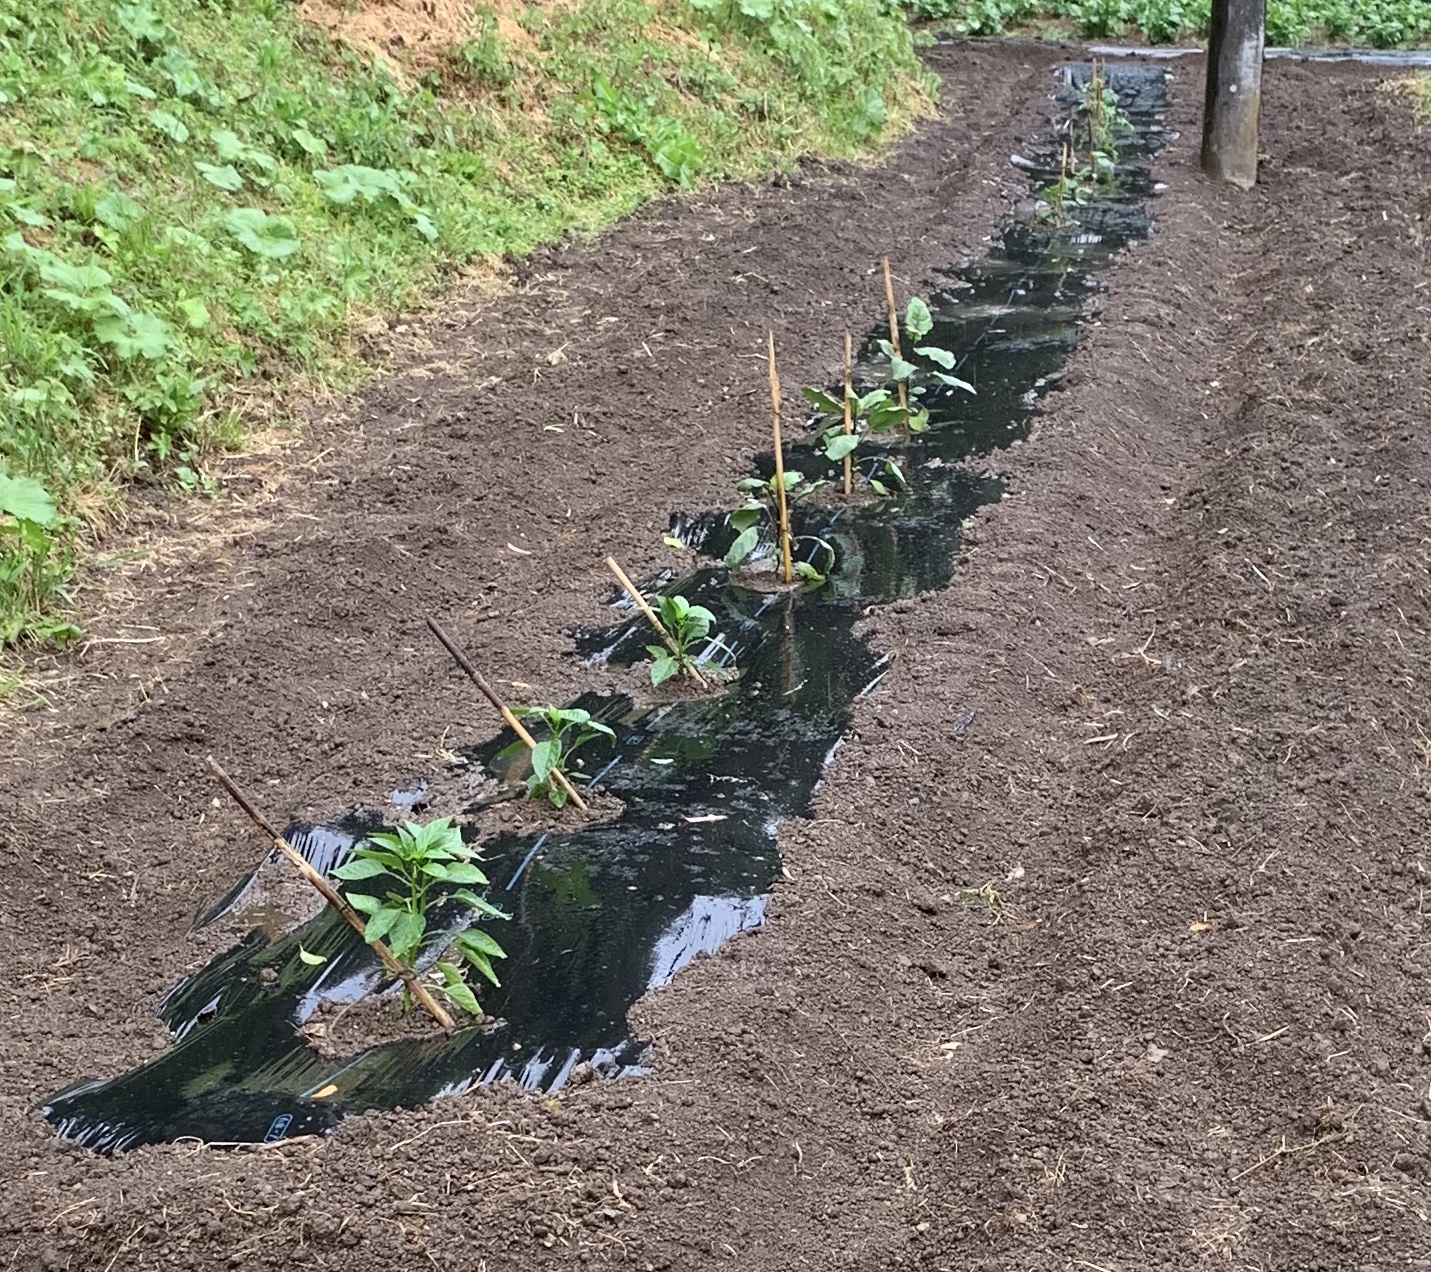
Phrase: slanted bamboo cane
[503,710]
[654,619]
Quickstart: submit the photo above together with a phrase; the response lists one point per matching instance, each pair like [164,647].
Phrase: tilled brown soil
[1130,972]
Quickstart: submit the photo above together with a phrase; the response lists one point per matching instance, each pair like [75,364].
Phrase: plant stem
[411,984]
[894,341]
[503,710]
[849,426]
[782,505]
[687,665]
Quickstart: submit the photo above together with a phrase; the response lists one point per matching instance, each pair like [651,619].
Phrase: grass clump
[198,197]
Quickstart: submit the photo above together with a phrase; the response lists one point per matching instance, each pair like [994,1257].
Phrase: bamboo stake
[655,620]
[894,341]
[849,427]
[334,898]
[503,710]
[782,505]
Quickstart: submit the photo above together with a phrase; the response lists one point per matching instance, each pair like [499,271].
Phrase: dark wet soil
[1106,941]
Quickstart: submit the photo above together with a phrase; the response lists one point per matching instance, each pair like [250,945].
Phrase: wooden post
[895,342]
[1233,105]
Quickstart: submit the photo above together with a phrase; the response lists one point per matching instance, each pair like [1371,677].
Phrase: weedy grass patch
[198,197]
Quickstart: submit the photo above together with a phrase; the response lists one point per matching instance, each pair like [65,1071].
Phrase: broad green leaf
[699,614]
[117,210]
[225,177]
[382,922]
[899,369]
[842,445]
[743,546]
[313,960]
[663,669]
[196,314]
[919,420]
[133,335]
[570,715]
[435,870]
[308,143]
[142,23]
[545,756]
[918,321]
[458,990]
[807,572]
[476,939]
[556,795]
[935,354]
[407,932]
[468,897]
[170,125]
[26,500]
[272,237]
[227,143]
[481,963]
[745,518]
[464,872]
[359,868]
[792,479]
[822,401]
[879,487]
[423,224]
[363,903]
[955,383]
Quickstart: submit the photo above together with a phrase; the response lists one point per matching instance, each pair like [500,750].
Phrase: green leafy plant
[689,627]
[761,507]
[417,864]
[568,730]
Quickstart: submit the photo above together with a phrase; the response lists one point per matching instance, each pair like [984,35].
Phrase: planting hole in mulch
[603,913]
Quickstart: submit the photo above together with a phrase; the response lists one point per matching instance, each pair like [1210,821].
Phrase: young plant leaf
[743,546]
[918,321]
[457,990]
[842,445]
[935,354]
[822,401]
[663,668]
[544,758]
[358,868]
[313,960]
[954,382]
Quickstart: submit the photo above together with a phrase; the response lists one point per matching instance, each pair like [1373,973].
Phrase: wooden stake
[782,506]
[503,710]
[654,619]
[334,898]
[849,427]
[894,341]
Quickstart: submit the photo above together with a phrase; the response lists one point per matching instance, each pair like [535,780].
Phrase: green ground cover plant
[199,198]
[1377,23]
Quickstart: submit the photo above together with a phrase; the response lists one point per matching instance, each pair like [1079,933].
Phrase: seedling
[569,729]
[1098,104]
[410,861]
[689,627]
[762,504]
